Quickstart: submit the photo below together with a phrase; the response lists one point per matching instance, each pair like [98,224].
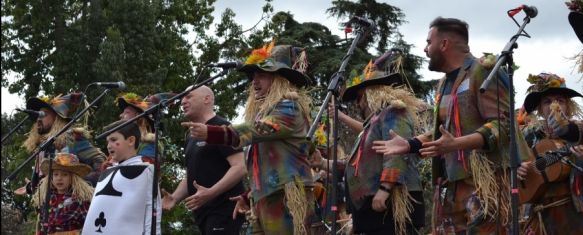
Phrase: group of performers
[468,144]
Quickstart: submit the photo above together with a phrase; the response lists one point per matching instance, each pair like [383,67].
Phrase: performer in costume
[383,192]
[560,210]
[276,124]
[70,195]
[122,202]
[469,145]
[132,105]
[58,112]
[213,172]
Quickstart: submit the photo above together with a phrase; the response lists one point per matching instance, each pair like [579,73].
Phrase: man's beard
[41,130]
[435,62]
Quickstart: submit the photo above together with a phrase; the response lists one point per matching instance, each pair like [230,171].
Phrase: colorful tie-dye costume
[278,165]
[366,169]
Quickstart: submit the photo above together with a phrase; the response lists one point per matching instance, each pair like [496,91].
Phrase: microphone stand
[51,140]
[156,112]
[337,79]
[30,117]
[506,58]
[45,146]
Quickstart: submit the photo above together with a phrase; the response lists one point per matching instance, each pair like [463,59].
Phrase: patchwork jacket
[366,169]
[465,110]
[278,151]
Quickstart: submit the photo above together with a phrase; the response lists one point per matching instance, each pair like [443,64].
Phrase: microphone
[362,21]
[32,113]
[227,65]
[120,85]
[530,11]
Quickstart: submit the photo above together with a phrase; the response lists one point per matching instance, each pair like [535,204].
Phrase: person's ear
[132,141]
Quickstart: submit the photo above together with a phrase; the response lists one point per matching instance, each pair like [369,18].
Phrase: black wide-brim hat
[280,61]
[65,106]
[351,92]
[576,21]
[532,100]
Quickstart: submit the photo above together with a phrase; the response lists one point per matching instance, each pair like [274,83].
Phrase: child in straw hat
[70,195]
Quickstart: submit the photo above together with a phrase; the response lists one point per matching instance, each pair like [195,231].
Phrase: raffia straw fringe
[402,208]
[295,200]
[488,187]
[301,63]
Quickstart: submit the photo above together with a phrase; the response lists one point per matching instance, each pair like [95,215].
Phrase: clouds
[552,42]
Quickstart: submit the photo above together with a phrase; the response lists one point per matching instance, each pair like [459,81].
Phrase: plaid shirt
[66,213]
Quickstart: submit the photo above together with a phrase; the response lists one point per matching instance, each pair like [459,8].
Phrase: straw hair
[81,190]
[380,97]
[280,89]
[34,138]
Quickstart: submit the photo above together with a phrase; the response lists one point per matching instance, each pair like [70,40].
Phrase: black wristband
[414,145]
[383,188]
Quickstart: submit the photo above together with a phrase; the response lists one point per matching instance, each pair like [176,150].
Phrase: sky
[551,45]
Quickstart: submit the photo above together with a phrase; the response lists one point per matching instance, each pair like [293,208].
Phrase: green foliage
[59,46]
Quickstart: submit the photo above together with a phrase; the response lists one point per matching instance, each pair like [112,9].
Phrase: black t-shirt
[207,164]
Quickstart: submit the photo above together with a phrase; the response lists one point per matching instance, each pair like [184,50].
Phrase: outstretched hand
[200,198]
[445,144]
[198,131]
[395,145]
[241,207]
[168,201]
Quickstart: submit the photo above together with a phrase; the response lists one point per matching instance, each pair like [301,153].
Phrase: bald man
[213,172]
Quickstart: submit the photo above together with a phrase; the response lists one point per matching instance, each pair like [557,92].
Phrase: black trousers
[216,224]
[367,221]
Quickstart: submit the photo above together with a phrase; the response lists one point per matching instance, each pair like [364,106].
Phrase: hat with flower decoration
[141,104]
[63,105]
[576,17]
[288,61]
[133,100]
[545,84]
[66,162]
[383,71]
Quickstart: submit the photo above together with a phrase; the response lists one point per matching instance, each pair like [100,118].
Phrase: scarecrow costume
[472,187]
[560,209]
[67,211]
[277,160]
[76,140]
[393,107]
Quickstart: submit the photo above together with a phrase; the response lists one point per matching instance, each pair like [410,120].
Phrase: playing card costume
[122,202]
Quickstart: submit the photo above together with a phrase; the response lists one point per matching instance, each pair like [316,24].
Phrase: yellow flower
[355,81]
[320,136]
[554,83]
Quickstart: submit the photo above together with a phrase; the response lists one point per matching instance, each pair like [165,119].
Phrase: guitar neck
[551,157]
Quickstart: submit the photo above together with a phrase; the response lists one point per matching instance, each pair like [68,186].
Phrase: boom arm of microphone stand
[511,45]
[162,104]
[14,129]
[50,141]
[335,82]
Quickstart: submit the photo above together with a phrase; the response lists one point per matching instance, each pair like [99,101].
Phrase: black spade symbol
[129,172]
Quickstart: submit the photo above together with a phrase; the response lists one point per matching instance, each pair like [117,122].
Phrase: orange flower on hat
[259,55]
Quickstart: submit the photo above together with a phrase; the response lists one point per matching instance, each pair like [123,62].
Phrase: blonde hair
[280,89]
[34,138]
[379,97]
[81,190]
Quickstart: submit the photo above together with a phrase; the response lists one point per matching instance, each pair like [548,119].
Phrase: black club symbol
[100,222]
